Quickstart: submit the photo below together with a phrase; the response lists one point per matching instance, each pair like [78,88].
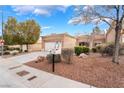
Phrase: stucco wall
[110,37]
[69,42]
[66,40]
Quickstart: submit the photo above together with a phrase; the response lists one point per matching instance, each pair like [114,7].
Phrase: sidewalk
[34,78]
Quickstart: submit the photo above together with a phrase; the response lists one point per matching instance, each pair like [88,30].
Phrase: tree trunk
[117,43]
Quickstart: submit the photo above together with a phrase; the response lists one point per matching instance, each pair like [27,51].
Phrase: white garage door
[53,46]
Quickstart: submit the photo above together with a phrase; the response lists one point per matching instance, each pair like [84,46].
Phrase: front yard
[94,70]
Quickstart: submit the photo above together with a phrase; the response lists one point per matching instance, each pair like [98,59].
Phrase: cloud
[41,12]
[46,27]
[75,20]
[38,10]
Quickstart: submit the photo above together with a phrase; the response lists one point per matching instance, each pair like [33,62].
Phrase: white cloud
[41,12]
[38,10]
[46,27]
[75,20]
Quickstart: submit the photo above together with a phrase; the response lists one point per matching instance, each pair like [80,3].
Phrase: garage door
[53,46]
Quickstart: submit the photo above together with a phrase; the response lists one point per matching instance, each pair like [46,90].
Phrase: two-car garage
[49,46]
[57,42]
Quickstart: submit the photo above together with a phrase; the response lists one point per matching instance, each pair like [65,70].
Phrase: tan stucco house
[37,46]
[91,40]
[32,47]
[63,40]
[110,35]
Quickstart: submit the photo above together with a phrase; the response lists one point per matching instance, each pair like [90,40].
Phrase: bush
[6,53]
[121,51]
[98,48]
[11,49]
[94,50]
[25,50]
[109,49]
[57,58]
[6,48]
[67,54]
[14,52]
[81,49]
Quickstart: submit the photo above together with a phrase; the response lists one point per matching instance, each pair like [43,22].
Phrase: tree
[10,30]
[106,14]
[20,33]
[30,31]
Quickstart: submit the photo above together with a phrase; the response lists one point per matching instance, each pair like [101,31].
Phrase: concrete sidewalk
[11,66]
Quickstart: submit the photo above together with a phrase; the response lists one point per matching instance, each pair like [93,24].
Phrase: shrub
[81,49]
[6,48]
[17,48]
[98,48]
[108,50]
[67,54]
[14,52]
[57,58]
[121,51]
[11,49]
[6,53]
[94,50]
[25,50]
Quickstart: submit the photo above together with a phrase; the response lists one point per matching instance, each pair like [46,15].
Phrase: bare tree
[98,14]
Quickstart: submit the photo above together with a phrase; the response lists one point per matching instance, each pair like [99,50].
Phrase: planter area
[95,70]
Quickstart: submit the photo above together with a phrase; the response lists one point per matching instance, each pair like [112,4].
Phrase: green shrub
[57,58]
[67,54]
[78,50]
[81,49]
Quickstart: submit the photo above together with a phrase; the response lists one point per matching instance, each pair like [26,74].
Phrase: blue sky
[52,19]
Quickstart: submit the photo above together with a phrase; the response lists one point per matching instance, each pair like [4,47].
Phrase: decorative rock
[40,59]
[82,55]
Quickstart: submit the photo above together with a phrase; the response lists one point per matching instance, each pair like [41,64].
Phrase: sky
[51,18]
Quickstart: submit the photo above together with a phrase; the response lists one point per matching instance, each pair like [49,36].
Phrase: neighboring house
[110,35]
[58,41]
[83,40]
[91,40]
[37,46]
[32,47]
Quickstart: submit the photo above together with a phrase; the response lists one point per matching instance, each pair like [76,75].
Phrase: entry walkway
[14,74]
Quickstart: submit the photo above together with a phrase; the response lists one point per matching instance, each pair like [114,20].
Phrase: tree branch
[106,22]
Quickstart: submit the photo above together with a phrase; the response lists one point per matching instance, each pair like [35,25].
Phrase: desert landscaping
[94,70]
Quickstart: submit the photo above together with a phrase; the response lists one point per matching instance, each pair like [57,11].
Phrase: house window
[83,44]
[97,44]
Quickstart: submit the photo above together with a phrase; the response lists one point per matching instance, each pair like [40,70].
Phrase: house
[110,35]
[91,40]
[37,46]
[58,41]
[31,47]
